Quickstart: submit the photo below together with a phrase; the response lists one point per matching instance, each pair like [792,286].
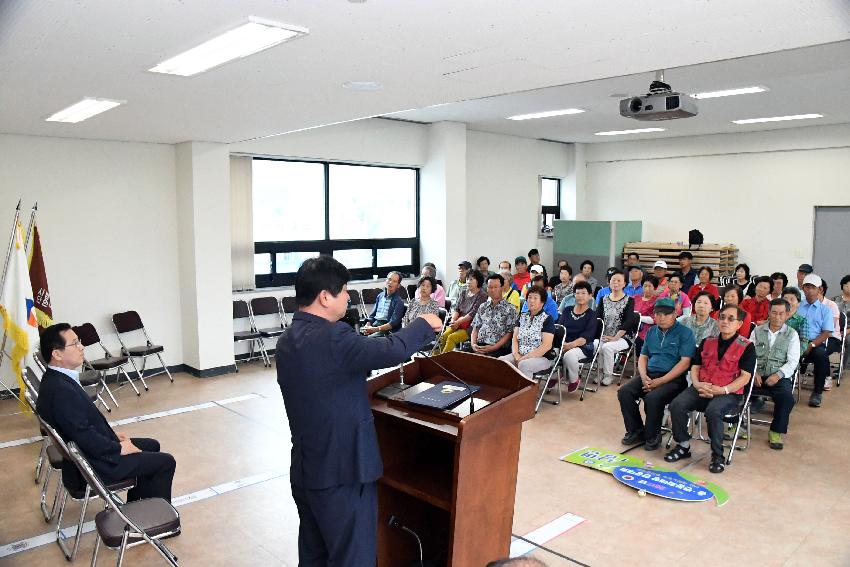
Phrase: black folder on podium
[443,395]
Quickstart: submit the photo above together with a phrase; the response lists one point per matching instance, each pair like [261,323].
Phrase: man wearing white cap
[659,270]
[819,328]
[534,270]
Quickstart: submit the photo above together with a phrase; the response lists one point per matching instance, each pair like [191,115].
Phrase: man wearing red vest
[722,368]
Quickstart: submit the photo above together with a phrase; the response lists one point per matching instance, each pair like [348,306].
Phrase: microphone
[462,381]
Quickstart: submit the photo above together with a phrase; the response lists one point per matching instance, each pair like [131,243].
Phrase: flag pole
[28,234]
[2,286]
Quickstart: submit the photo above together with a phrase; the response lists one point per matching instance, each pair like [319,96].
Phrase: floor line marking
[547,532]
[203,494]
[148,417]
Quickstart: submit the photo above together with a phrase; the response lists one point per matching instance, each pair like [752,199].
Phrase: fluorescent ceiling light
[778,118]
[730,92]
[84,109]
[547,114]
[636,131]
[247,39]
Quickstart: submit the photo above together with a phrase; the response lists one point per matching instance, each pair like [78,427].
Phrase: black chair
[411,291]
[120,525]
[544,376]
[289,306]
[268,307]
[48,452]
[129,322]
[89,336]
[370,297]
[590,361]
[357,302]
[241,313]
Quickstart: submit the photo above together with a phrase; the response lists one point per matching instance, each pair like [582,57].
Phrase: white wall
[503,194]
[756,190]
[108,224]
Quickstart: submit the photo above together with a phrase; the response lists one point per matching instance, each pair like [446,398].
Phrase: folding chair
[590,362]
[357,302]
[48,451]
[141,521]
[128,322]
[78,493]
[370,297]
[88,336]
[289,306]
[842,329]
[430,348]
[544,376]
[627,353]
[738,415]
[241,312]
[411,291]
[268,307]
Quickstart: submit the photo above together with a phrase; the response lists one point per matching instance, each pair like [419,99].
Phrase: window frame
[541,221]
[326,246]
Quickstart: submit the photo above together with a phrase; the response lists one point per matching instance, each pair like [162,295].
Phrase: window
[550,204]
[365,216]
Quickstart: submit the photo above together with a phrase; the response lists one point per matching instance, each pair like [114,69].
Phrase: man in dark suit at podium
[322,366]
[64,405]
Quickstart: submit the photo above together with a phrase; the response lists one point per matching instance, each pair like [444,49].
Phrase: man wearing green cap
[664,360]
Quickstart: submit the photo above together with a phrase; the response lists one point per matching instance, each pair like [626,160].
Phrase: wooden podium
[450,476]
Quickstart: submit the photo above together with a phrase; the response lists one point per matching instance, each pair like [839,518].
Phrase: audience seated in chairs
[663,362]
[758,306]
[580,323]
[464,311]
[742,280]
[834,343]
[483,266]
[688,274]
[534,258]
[388,310]
[632,259]
[721,369]
[778,354]
[550,307]
[676,292]
[819,328]
[700,321]
[778,282]
[509,292]
[535,270]
[842,300]
[586,269]
[458,286]
[635,285]
[533,335]
[424,302]
[439,293]
[703,283]
[734,295]
[565,284]
[603,291]
[659,270]
[522,276]
[493,325]
[65,406]
[617,311]
[645,307]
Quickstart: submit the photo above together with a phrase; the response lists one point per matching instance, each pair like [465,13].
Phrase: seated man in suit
[66,407]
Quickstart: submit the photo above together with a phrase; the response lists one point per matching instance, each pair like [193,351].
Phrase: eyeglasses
[76,343]
[730,318]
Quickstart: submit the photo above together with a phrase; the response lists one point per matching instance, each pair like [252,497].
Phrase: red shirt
[709,287]
[759,310]
[522,279]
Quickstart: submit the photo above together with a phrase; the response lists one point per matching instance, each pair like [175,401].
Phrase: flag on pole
[38,277]
[16,309]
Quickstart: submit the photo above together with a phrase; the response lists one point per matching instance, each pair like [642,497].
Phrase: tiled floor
[786,508]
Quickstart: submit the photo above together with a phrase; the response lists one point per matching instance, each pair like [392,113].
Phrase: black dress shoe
[717,465]
[677,454]
[653,444]
[633,438]
[815,400]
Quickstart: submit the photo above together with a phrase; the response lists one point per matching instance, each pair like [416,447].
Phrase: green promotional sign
[606,461]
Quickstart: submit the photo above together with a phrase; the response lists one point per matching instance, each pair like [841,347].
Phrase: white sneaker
[607,379]
[827,386]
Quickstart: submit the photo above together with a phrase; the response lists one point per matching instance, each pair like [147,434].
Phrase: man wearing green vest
[778,355]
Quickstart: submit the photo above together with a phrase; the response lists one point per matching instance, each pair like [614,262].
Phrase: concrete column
[442,186]
[203,218]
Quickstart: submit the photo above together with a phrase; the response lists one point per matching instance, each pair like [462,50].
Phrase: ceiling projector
[660,103]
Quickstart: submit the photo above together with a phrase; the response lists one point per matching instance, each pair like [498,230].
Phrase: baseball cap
[660,264]
[813,279]
[464,264]
[520,260]
[536,268]
[806,268]
[610,271]
[664,305]
[636,267]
